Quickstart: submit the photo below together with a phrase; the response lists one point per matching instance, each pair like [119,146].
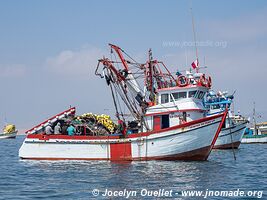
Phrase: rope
[231,137]
[129,56]
[114,101]
[120,106]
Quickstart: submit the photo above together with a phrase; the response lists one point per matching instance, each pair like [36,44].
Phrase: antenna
[186,57]
[254,113]
[194,33]
[254,119]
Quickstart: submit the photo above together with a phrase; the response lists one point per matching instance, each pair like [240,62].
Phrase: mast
[254,119]
[150,71]
[194,33]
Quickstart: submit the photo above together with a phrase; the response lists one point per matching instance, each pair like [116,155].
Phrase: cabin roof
[188,87]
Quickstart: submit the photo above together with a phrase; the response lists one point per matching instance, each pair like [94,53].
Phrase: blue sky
[49,50]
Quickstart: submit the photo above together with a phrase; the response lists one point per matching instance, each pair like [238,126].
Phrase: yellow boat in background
[9,131]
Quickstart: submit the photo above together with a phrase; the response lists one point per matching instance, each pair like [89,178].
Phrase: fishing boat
[234,126]
[257,133]
[168,120]
[9,131]
[249,137]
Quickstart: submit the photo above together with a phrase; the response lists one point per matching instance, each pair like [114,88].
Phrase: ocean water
[25,179]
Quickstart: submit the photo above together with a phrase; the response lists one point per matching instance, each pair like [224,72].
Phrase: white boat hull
[191,141]
[254,139]
[8,135]
[231,137]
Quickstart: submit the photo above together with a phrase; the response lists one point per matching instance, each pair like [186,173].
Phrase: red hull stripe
[219,128]
[68,137]
[37,158]
[120,151]
[234,145]
[218,131]
[176,127]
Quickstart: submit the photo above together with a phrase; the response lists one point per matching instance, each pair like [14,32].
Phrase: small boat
[234,127]
[257,133]
[168,120]
[9,131]
[258,136]
[249,137]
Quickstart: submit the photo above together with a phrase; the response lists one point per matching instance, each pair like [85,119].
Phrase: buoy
[182,81]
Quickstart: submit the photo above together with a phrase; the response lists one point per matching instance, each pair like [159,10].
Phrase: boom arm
[130,82]
[119,52]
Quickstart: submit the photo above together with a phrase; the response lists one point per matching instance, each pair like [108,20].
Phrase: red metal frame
[119,52]
[106,62]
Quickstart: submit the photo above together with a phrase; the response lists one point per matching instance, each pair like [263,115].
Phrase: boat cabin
[218,103]
[175,106]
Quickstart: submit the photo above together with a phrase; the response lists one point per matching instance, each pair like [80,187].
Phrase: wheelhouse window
[164,98]
[179,95]
[200,95]
[192,93]
[175,96]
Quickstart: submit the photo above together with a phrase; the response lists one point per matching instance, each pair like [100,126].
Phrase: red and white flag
[195,64]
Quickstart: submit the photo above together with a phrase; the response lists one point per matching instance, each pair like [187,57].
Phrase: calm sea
[24,179]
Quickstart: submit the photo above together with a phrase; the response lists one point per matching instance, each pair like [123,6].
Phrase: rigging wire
[114,101]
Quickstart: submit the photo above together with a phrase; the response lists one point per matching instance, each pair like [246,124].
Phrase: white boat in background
[259,137]
[257,133]
[231,137]
[234,127]
[170,118]
[249,139]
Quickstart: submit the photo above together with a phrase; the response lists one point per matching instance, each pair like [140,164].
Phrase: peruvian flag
[195,64]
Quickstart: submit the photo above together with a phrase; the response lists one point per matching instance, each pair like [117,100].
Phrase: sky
[49,50]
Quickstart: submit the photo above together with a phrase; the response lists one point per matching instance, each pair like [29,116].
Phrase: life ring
[182,81]
[209,82]
[202,80]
